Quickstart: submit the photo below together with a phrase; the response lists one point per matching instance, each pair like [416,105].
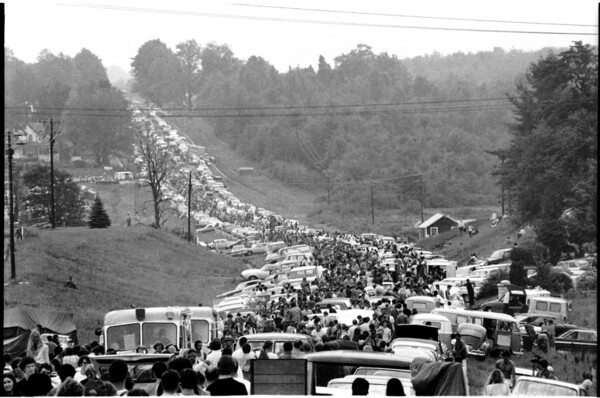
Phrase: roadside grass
[568,367]
[113,269]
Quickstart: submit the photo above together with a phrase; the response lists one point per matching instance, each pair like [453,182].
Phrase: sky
[294,33]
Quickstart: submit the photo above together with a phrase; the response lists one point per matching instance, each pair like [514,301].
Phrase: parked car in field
[259,247]
[536,386]
[240,250]
[499,256]
[577,339]
[534,320]
[264,272]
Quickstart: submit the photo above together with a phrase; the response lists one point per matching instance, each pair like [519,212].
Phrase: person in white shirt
[215,354]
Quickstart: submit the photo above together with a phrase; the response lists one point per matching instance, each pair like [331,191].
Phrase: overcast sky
[290,32]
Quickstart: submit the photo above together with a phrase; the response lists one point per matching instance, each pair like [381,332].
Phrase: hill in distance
[113,269]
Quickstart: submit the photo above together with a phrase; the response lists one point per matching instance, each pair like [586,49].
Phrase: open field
[114,268]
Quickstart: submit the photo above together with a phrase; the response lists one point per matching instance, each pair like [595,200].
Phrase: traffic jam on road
[384,306]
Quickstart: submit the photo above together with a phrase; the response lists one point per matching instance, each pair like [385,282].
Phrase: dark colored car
[577,339]
[499,256]
[535,320]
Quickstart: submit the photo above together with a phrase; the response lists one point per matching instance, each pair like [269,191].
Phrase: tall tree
[552,161]
[90,68]
[54,77]
[67,201]
[157,73]
[159,165]
[190,57]
[98,122]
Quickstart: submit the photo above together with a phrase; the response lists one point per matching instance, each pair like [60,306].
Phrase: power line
[327,106]
[409,16]
[295,20]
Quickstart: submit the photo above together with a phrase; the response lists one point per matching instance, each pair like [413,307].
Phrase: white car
[259,247]
[262,273]
[239,250]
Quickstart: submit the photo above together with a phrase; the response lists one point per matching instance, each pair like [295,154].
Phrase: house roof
[433,219]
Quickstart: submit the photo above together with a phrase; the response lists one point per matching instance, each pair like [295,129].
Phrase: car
[264,272]
[536,386]
[259,247]
[239,250]
[339,303]
[576,266]
[577,339]
[499,256]
[535,319]
[377,383]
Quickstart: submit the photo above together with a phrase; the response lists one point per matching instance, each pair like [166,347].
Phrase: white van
[296,275]
[558,307]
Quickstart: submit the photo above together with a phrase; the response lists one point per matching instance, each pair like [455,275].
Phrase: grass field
[114,268]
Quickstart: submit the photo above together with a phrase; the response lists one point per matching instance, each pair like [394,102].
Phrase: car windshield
[540,389]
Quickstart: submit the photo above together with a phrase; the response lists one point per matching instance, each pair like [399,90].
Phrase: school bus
[126,330]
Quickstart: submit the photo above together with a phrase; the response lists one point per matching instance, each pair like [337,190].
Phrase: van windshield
[123,337]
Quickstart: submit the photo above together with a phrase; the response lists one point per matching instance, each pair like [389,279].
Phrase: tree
[98,217]
[90,68]
[157,73]
[105,131]
[190,57]
[67,202]
[159,165]
[517,275]
[551,164]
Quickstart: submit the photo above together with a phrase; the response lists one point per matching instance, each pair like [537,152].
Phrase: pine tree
[99,217]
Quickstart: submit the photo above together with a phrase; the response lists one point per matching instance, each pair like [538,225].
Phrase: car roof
[548,381]
[359,358]
[276,336]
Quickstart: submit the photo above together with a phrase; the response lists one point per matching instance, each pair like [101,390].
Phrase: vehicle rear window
[419,305]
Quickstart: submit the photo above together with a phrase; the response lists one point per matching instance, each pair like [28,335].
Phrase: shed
[246,171]
[435,225]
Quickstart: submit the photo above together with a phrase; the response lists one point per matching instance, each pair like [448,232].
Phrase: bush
[552,280]
[79,164]
[490,286]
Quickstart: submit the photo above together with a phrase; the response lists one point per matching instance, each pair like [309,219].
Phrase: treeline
[75,92]
[364,119]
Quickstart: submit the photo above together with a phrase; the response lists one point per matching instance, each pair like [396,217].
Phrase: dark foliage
[67,202]
[98,217]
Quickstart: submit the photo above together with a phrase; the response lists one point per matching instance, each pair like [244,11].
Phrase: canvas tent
[18,323]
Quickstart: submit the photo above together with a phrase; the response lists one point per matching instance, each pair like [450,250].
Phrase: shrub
[490,286]
[99,218]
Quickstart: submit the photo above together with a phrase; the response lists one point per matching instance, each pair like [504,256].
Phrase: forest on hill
[446,131]
[366,119]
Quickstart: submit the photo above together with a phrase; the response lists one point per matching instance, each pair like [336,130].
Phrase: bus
[127,330]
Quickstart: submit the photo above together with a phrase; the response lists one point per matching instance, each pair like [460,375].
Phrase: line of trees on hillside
[365,118]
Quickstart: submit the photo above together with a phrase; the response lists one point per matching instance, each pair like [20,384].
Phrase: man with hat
[507,367]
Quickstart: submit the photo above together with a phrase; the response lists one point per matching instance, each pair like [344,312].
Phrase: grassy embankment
[114,268]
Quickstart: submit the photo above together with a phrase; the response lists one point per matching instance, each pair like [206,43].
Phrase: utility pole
[372,205]
[421,196]
[190,208]
[328,192]
[10,151]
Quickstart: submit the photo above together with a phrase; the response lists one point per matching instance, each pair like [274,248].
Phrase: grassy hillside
[114,268]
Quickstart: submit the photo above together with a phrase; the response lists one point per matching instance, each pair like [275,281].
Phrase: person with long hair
[9,386]
[495,385]
[37,349]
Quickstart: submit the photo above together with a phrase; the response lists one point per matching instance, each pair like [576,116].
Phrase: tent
[18,323]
